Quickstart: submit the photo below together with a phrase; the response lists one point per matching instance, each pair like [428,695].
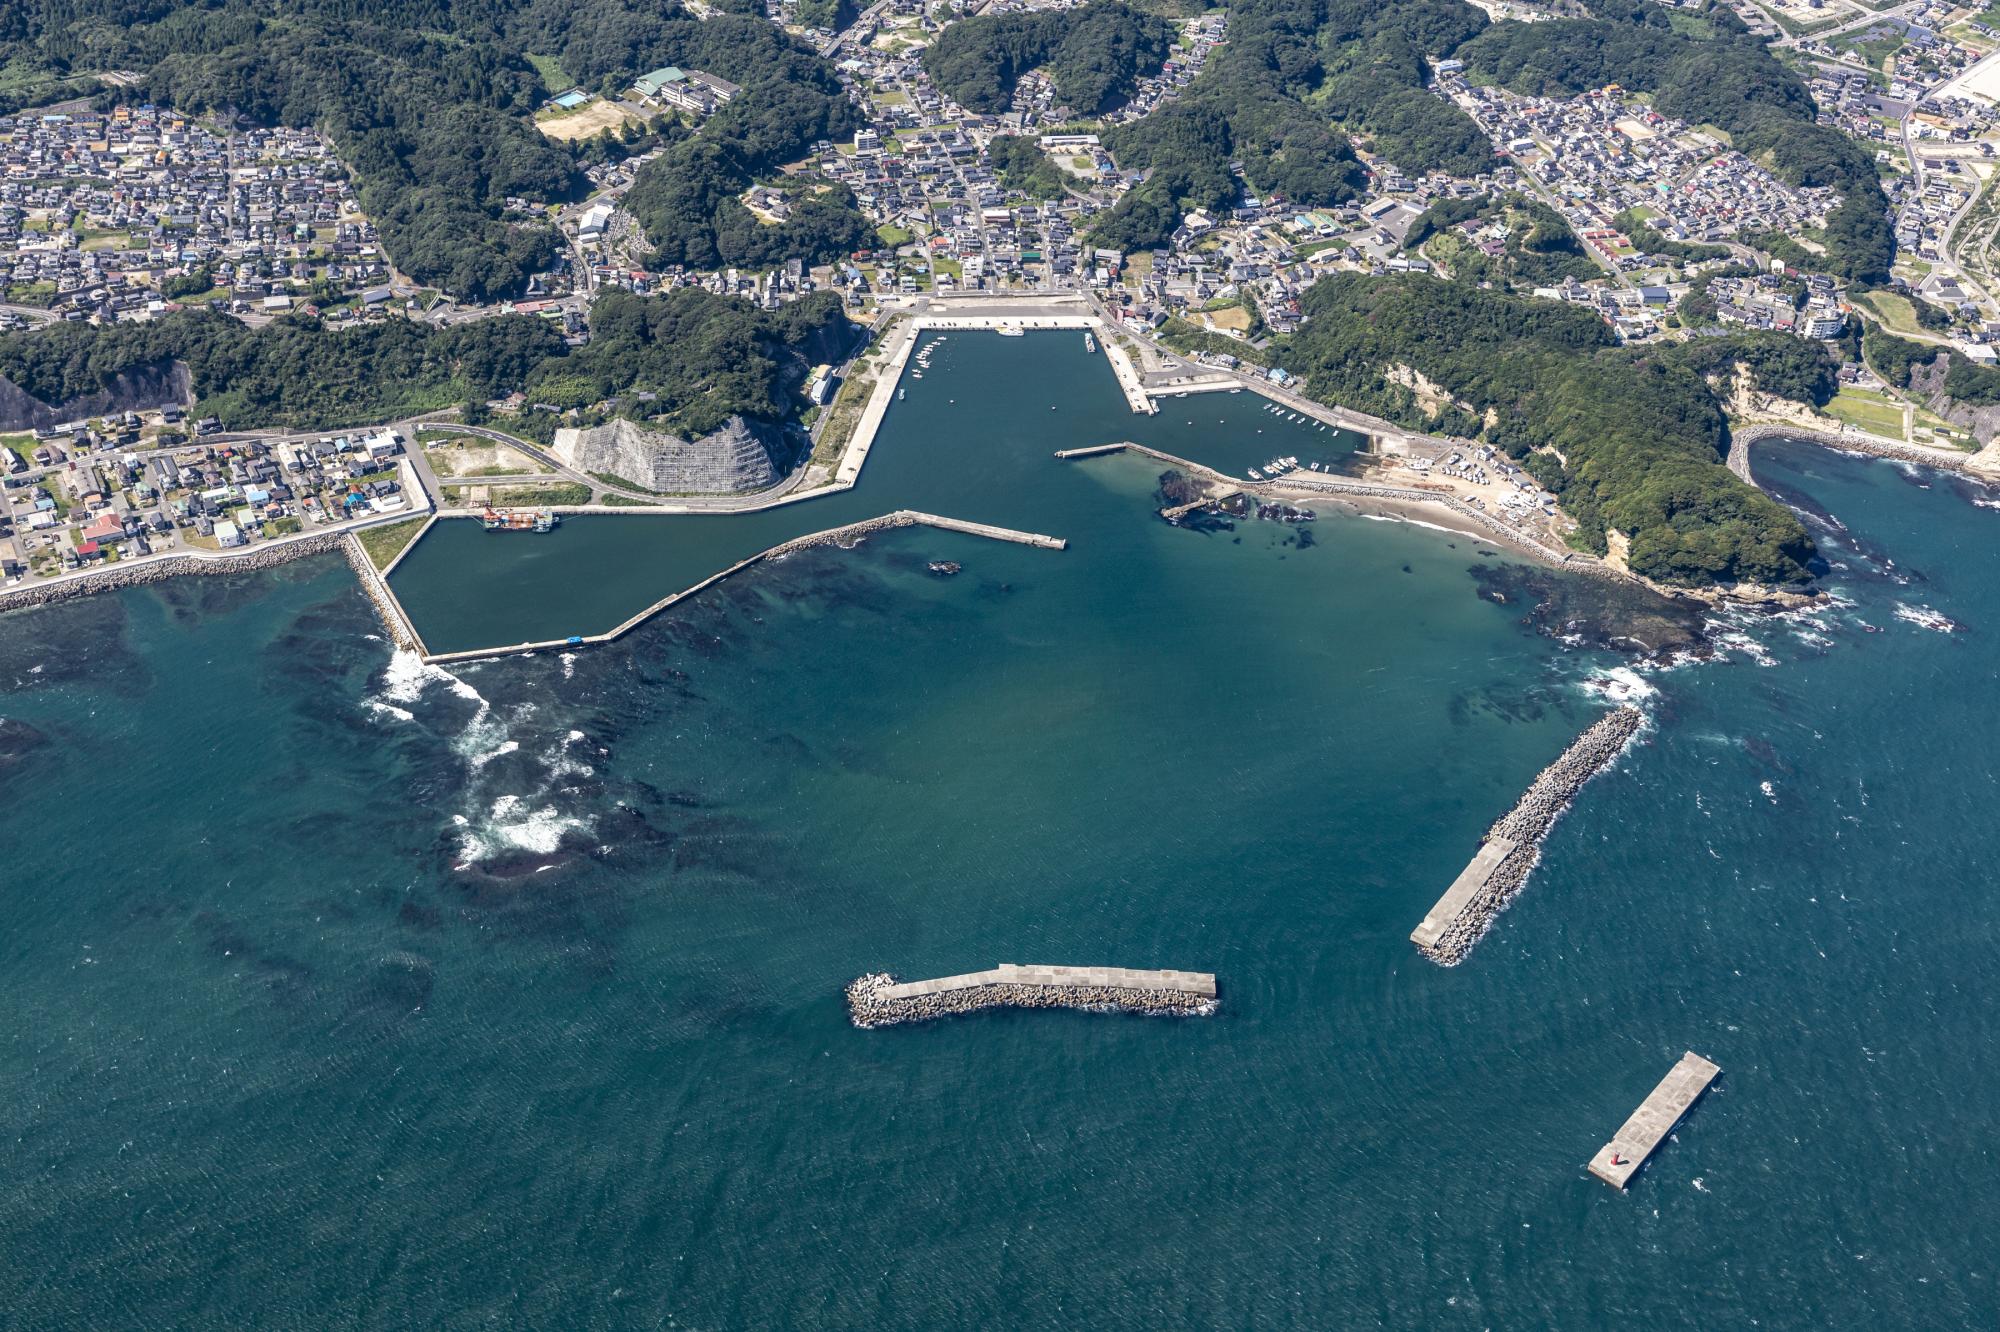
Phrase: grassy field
[549,69]
[1874,412]
[385,543]
[24,445]
[562,492]
[1895,310]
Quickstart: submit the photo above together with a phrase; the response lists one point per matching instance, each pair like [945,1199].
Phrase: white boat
[899,395]
[1008,331]
[1256,475]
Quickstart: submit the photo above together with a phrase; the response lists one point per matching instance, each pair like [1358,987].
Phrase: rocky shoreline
[138,572]
[870,1008]
[1523,828]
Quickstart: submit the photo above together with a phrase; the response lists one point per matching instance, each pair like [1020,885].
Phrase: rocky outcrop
[1927,383]
[140,389]
[736,458]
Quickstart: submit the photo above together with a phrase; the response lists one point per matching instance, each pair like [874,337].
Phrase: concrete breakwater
[879,1000]
[133,573]
[845,537]
[1509,851]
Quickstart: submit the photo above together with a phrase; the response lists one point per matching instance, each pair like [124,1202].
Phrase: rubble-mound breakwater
[1513,845]
[152,570]
[879,1000]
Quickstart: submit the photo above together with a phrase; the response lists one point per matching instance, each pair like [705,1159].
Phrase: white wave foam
[512,824]
[1925,617]
[1621,685]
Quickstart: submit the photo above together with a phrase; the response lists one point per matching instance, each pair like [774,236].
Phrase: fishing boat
[519,520]
[1089,343]
[1009,331]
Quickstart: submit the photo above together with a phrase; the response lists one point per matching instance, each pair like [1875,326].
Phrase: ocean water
[346,993]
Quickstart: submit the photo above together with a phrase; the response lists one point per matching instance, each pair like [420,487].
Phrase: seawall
[1741,439]
[1512,846]
[879,1000]
[133,573]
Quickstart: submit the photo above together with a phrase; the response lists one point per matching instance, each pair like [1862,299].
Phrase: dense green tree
[1094,54]
[701,357]
[1631,439]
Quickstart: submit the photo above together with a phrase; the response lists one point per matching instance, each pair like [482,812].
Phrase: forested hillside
[1094,55]
[1630,439]
[703,357]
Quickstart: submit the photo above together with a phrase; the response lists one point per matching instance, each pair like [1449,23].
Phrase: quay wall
[879,1000]
[1512,846]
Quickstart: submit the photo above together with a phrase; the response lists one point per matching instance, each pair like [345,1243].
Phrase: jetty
[1618,1160]
[1512,846]
[880,1000]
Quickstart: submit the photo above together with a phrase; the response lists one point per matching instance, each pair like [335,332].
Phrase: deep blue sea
[343,992]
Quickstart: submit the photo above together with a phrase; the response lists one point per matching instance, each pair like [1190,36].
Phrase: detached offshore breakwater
[1511,847]
[879,1000]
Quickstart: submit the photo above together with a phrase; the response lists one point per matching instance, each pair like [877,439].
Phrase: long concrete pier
[1509,851]
[879,1000]
[1641,1135]
[847,534]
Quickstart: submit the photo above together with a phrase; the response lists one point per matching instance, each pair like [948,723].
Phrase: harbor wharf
[846,535]
[879,1000]
[1512,847]
[1641,1135]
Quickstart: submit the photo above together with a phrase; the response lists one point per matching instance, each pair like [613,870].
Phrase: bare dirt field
[472,455]
[586,123]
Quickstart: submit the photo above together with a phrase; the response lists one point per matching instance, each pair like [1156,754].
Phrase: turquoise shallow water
[348,994]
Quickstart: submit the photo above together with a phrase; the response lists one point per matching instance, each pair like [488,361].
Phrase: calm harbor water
[974,438]
[347,993]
